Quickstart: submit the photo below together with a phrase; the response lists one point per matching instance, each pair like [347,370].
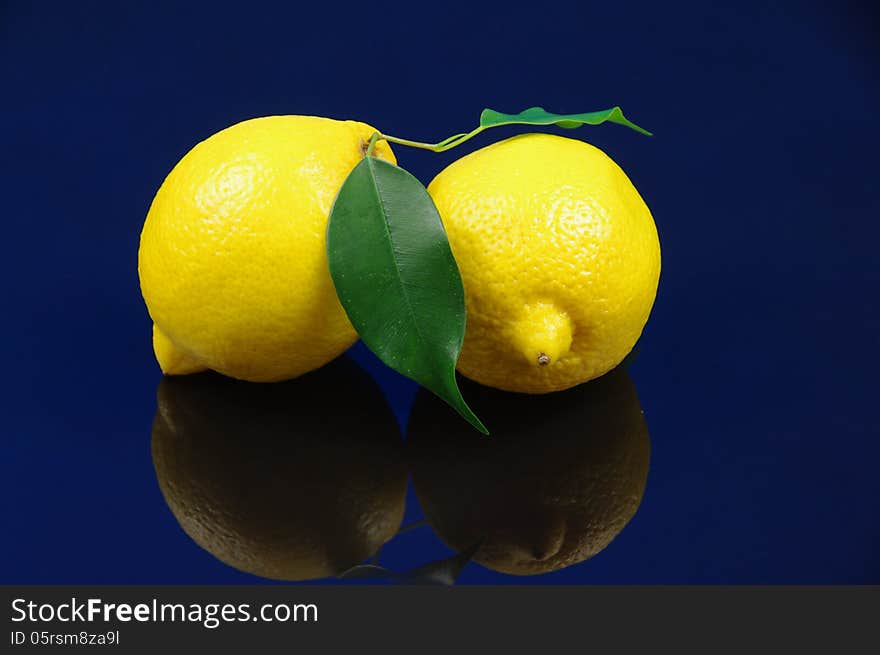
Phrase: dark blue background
[757,370]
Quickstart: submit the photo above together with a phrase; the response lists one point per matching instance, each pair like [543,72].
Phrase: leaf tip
[477,423]
[617,116]
[468,415]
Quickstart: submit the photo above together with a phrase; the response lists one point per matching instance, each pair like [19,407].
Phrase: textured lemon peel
[233,266]
[540,219]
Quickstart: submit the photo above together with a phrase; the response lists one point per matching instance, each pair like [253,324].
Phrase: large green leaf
[395,276]
[538,116]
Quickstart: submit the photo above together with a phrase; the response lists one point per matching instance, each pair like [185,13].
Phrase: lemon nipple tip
[542,333]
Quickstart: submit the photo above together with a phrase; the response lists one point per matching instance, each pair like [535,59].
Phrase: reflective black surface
[559,478]
[265,480]
[268,482]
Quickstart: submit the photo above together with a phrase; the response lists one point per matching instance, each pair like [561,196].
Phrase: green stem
[490,118]
[372,144]
[440,146]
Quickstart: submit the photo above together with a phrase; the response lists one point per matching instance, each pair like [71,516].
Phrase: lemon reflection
[292,481]
[556,482]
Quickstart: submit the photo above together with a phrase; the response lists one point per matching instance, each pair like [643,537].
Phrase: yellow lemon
[232,258]
[559,257]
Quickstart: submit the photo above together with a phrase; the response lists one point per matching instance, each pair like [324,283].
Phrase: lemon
[559,257]
[561,477]
[232,258]
[268,481]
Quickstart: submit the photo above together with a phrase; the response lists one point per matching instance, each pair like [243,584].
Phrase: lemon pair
[557,251]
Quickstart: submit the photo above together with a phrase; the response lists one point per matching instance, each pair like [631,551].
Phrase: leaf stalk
[491,118]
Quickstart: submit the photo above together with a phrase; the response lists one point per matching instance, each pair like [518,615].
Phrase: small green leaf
[396,277]
[538,116]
